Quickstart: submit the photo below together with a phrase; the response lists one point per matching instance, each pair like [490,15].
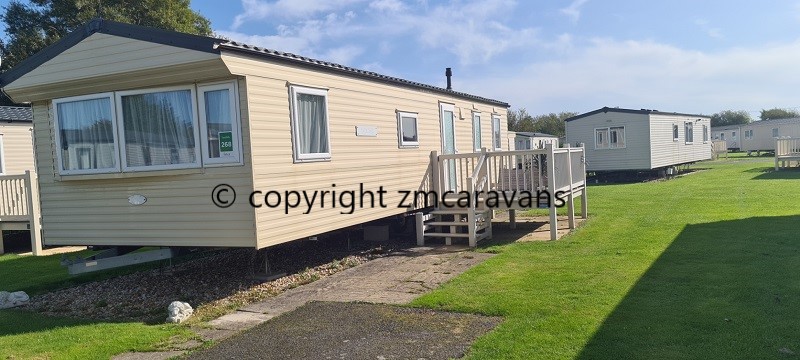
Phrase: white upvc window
[407,129]
[688,128]
[476,131]
[219,123]
[775,132]
[609,138]
[159,129]
[675,135]
[148,129]
[497,142]
[722,136]
[310,125]
[748,134]
[86,134]
[705,134]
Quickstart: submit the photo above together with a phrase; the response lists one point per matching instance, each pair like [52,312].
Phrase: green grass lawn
[26,335]
[703,266]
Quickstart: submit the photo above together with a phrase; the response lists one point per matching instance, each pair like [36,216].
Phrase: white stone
[179,311]
[14,299]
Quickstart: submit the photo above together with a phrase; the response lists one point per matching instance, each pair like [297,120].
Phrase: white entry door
[449,142]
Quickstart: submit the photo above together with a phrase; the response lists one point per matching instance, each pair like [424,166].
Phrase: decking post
[471,218]
[420,220]
[435,175]
[551,187]
[2,250]
[584,197]
[512,218]
[571,196]
[31,186]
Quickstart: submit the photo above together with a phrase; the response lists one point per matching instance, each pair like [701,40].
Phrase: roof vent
[448,72]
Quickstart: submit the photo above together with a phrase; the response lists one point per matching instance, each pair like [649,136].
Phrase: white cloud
[712,32]
[646,74]
[387,5]
[287,9]
[343,55]
[573,11]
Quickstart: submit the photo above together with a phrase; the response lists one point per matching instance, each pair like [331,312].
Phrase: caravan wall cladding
[86,189]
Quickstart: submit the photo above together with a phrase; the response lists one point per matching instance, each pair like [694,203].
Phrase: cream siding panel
[103,54]
[762,135]
[371,161]
[178,211]
[17,148]
[666,152]
[635,155]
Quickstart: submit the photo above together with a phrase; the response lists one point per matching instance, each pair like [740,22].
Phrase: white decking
[787,152]
[719,148]
[509,174]
[19,207]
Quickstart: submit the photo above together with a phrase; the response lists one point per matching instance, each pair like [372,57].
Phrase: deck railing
[719,147]
[19,206]
[787,151]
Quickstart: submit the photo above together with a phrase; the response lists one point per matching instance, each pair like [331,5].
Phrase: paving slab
[239,320]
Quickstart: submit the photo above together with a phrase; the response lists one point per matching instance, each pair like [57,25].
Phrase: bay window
[151,129]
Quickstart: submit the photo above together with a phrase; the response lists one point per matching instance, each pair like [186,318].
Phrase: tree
[33,25]
[730,117]
[777,113]
[552,123]
[519,120]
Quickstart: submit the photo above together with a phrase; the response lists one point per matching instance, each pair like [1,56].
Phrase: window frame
[236,125]
[294,90]
[748,134]
[195,120]
[676,135]
[705,134]
[114,131]
[604,132]
[688,129]
[497,136]
[776,133]
[477,134]
[400,142]
[623,136]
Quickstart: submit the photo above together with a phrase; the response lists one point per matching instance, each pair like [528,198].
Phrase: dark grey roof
[16,113]
[211,45]
[775,122]
[631,111]
[535,134]
[726,127]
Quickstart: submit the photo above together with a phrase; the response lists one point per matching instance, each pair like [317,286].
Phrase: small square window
[407,129]
[616,137]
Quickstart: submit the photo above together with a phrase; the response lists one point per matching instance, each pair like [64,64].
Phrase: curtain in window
[312,124]
[159,128]
[86,134]
[409,127]
[218,118]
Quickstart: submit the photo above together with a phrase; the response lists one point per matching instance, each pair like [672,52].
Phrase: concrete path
[395,279]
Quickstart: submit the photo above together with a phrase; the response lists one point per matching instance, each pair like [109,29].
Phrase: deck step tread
[447,223]
[453,235]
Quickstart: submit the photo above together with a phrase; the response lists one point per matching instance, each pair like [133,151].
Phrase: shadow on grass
[721,290]
[769,173]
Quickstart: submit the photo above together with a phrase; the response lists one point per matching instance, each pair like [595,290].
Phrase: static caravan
[17,175]
[523,140]
[624,139]
[146,137]
[730,134]
[760,136]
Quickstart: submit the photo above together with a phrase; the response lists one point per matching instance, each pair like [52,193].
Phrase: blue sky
[548,56]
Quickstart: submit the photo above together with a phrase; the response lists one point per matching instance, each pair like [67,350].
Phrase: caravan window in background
[705,134]
[86,134]
[310,124]
[675,135]
[601,138]
[775,132]
[476,131]
[616,136]
[688,127]
[748,134]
